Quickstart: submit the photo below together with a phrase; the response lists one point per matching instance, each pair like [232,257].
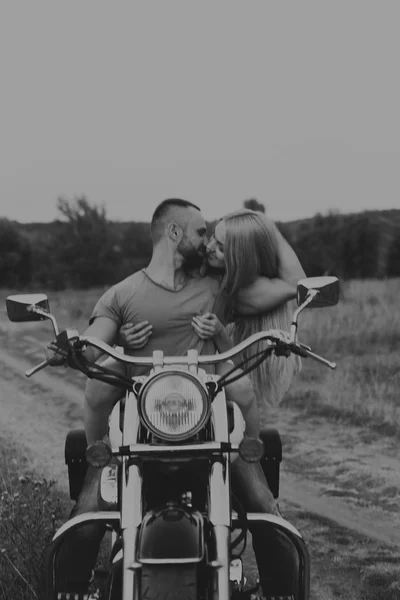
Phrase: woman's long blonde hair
[251,251]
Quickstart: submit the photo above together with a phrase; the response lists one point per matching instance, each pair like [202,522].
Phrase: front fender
[171,535]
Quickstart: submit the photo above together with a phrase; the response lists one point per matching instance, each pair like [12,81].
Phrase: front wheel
[158,582]
[169,582]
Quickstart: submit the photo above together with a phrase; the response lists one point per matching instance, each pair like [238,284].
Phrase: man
[166,295]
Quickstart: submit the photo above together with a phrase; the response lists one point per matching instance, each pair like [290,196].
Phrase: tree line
[83,249]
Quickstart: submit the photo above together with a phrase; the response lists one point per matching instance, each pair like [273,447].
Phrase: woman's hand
[134,337]
[207,326]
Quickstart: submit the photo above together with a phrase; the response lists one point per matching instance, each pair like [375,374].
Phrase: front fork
[131,518]
[220,520]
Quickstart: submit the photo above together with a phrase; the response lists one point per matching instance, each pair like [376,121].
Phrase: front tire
[158,582]
[169,582]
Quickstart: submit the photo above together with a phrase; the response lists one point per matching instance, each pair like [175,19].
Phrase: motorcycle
[166,472]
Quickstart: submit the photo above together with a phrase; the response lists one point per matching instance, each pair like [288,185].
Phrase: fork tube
[131,518]
[131,420]
[220,513]
[220,418]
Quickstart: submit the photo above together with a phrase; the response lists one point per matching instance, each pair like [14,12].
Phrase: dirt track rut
[38,412]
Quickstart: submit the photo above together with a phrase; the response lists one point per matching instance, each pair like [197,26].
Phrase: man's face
[193,243]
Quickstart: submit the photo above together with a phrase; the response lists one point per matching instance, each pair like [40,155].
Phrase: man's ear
[174,232]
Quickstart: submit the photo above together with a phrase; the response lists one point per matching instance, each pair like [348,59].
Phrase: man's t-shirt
[138,298]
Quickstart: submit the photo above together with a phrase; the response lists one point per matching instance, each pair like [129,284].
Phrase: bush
[29,517]
[15,256]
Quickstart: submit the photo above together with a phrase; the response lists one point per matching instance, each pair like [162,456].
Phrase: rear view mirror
[19,307]
[327,287]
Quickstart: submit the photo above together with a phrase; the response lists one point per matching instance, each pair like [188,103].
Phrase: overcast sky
[294,103]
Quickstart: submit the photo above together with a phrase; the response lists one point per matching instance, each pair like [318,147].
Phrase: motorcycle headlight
[174,406]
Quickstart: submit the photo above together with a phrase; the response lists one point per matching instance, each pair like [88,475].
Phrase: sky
[294,103]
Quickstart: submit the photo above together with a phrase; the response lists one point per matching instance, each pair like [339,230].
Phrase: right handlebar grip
[300,351]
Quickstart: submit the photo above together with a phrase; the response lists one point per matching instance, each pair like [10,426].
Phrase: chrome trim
[109,515]
[213,447]
[108,487]
[47,315]
[179,360]
[193,361]
[222,586]
[273,519]
[131,518]
[131,420]
[220,418]
[219,513]
[196,381]
[219,495]
[131,496]
[293,328]
[170,561]
[130,583]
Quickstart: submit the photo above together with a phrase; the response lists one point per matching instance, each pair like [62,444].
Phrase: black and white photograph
[200,300]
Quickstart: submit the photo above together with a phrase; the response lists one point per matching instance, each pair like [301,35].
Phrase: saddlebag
[75,459]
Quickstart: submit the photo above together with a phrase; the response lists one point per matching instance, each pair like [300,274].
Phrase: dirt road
[339,473]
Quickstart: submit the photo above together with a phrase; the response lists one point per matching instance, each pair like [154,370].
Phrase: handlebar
[295,347]
[77,342]
[174,360]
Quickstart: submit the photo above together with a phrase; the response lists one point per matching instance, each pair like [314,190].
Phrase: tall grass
[30,513]
[362,335]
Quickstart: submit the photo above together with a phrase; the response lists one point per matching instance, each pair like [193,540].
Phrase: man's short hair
[165,211]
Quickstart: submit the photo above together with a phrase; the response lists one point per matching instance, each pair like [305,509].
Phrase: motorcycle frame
[127,521]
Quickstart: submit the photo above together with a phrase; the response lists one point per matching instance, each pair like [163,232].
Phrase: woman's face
[215,249]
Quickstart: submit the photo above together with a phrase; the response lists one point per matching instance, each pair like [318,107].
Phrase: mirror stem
[293,328]
[45,314]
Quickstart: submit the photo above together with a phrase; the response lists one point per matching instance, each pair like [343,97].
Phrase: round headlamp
[174,405]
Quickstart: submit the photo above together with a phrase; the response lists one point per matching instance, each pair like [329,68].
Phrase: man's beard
[193,258]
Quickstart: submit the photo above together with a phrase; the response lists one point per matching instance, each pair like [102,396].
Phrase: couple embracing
[205,295]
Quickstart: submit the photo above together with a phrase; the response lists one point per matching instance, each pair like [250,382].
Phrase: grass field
[361,334]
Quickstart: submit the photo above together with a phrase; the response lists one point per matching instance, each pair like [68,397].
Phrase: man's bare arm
[104,329]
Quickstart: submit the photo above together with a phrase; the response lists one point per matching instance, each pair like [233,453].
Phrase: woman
[249,251]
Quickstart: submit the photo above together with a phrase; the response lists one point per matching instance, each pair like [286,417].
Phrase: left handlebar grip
[66,339]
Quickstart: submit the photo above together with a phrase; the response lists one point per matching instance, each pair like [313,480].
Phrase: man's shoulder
[132,280]
[125,289]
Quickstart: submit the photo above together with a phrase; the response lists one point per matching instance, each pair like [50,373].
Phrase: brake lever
[304,346]
[305,352]
[38,367]
[322,360]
